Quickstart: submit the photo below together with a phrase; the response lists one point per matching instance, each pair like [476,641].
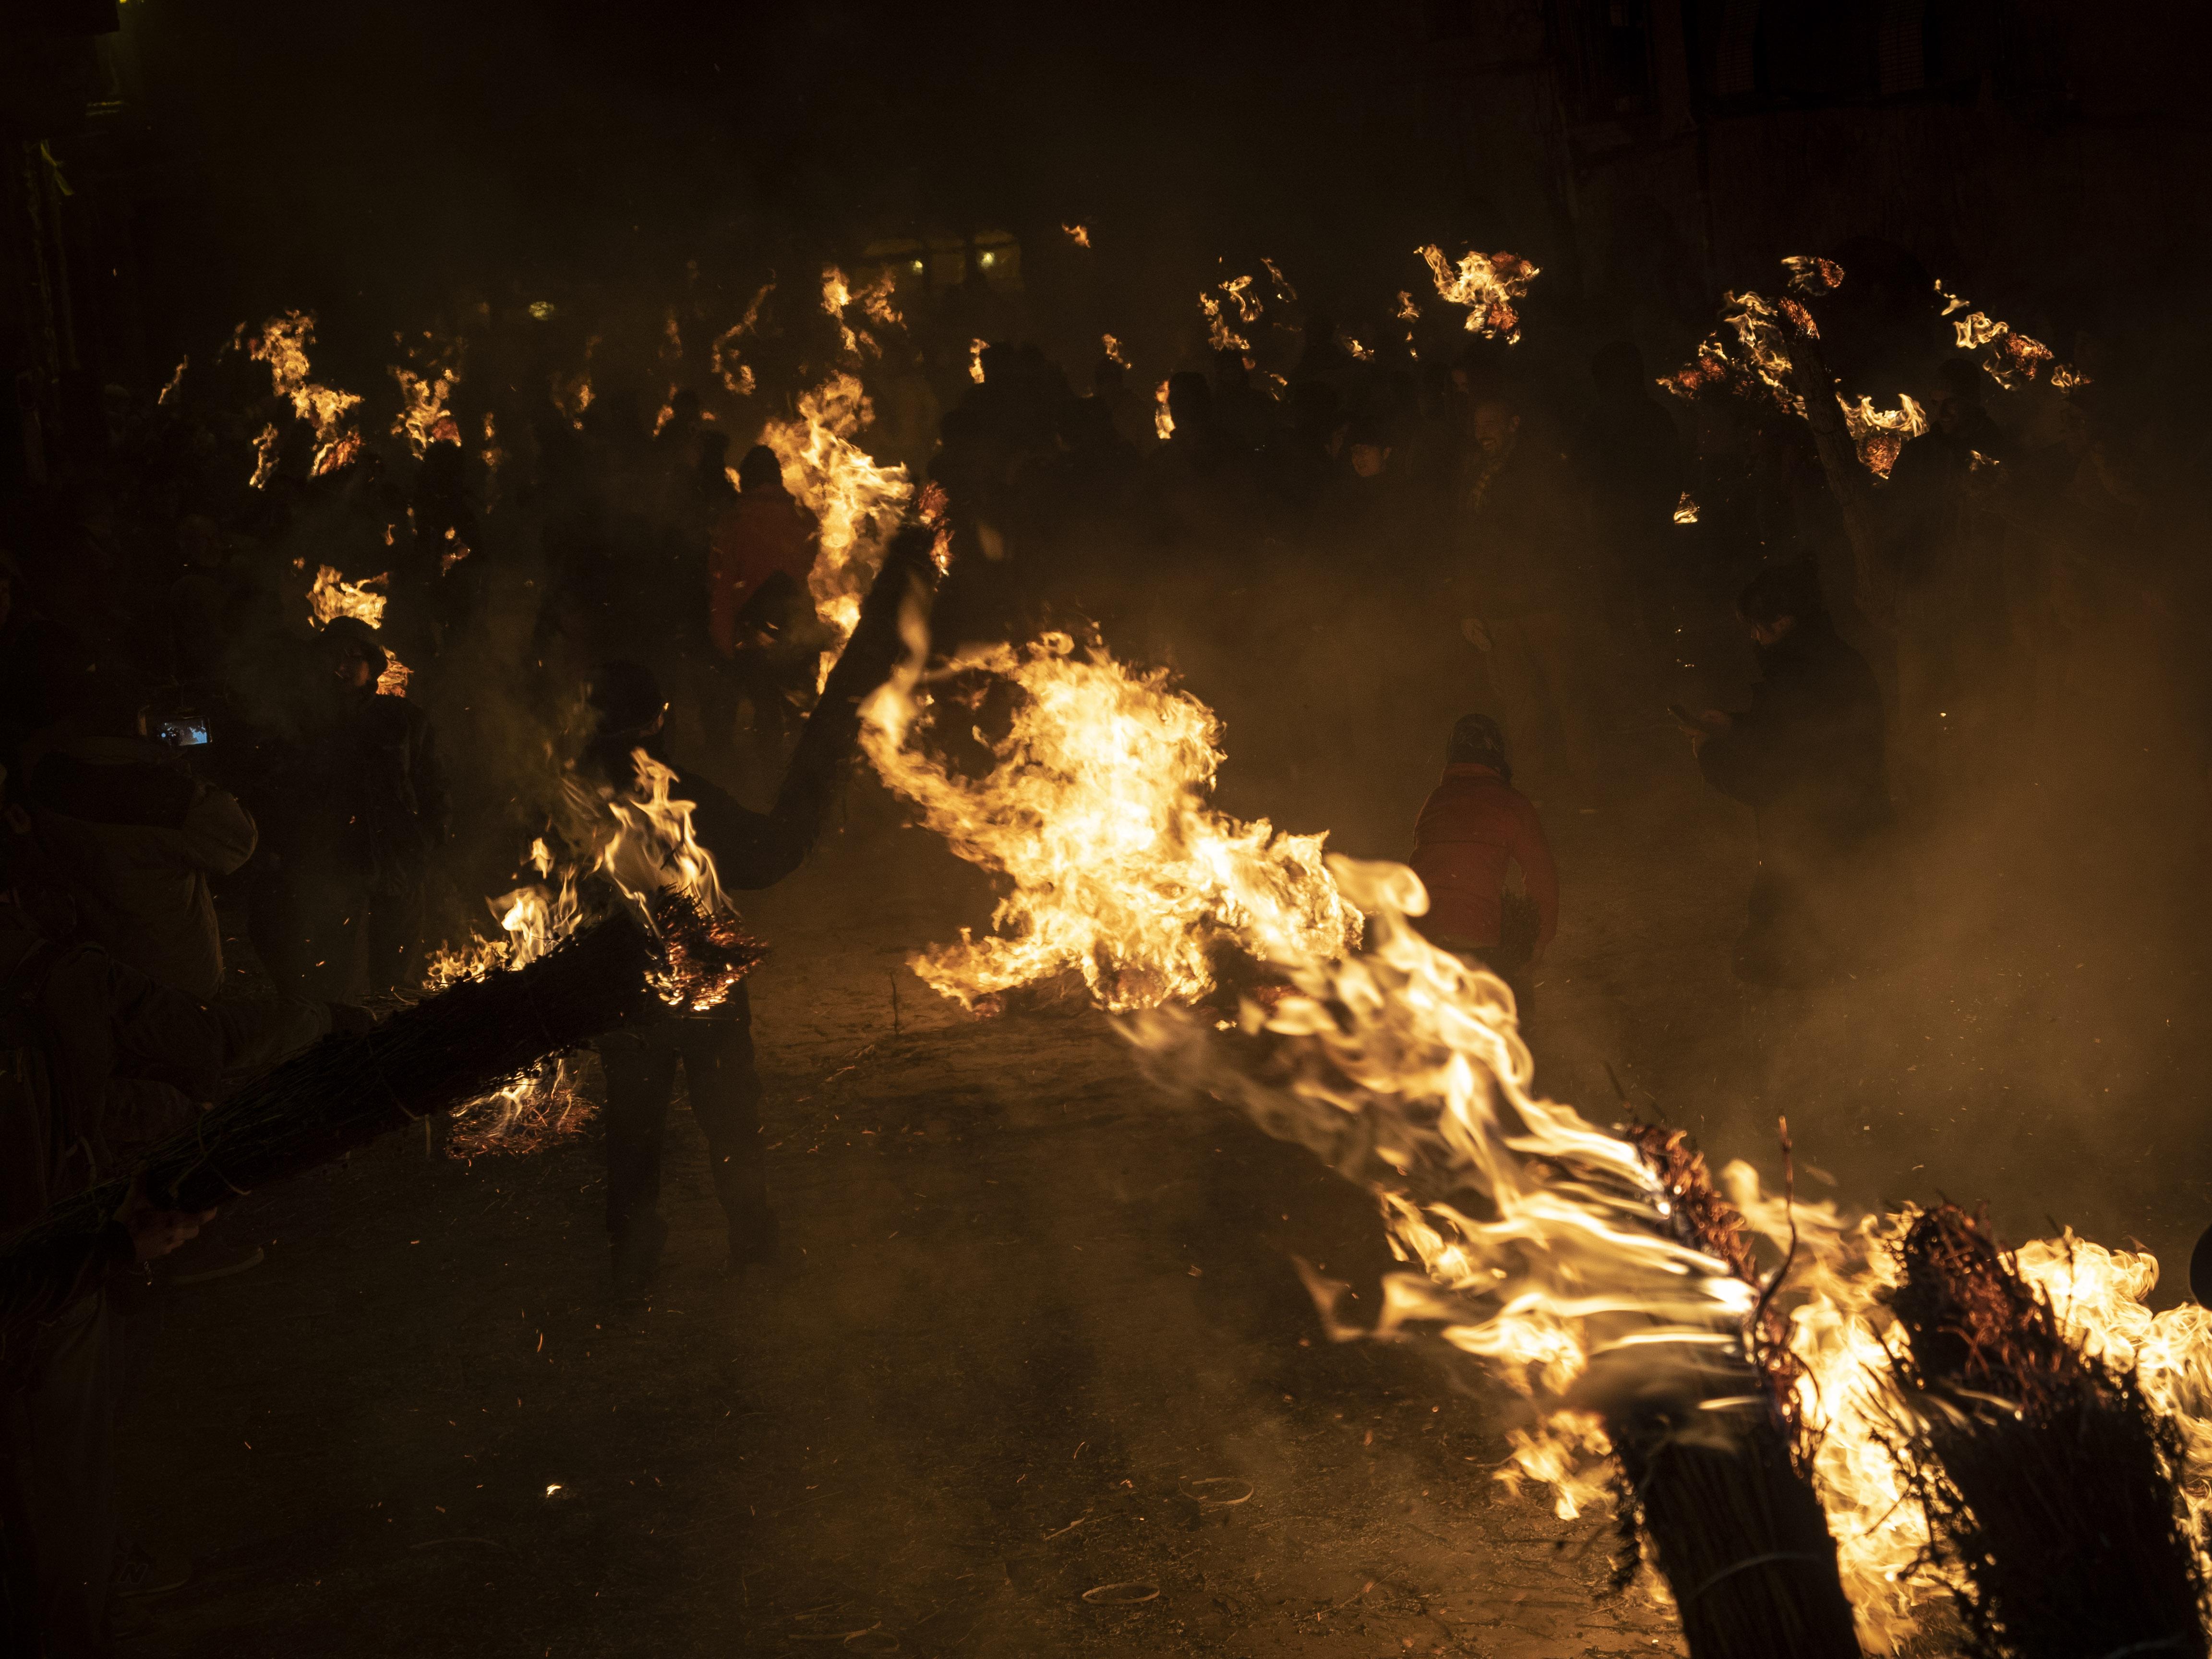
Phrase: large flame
[2099,1297]
[1538,1241]
[856,502]
[1096,812]
[1535,1239]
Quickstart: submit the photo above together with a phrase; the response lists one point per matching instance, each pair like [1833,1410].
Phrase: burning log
[2048,1481]
[1710,1450]
[1737,1532]
[1601,1273]
[439,1054]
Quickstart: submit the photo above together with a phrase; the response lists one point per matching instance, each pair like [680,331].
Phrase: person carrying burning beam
[750,851]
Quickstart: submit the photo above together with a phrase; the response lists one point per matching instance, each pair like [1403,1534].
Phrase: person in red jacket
[1472,829]
[759,614]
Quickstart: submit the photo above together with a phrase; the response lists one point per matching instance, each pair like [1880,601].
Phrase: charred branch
[349,1088]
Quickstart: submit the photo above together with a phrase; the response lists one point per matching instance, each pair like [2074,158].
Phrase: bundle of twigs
[2046,1477]
[1734,1527]
[348,1089]
[1698,1415]
[1710,1450]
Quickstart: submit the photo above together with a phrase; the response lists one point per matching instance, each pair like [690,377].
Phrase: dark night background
[1025,1300]
[375,163]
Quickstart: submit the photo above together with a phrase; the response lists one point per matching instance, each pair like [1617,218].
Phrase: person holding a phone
[141,835]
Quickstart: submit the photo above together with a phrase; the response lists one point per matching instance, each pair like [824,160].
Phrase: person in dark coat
[363,815]
[1628,458]
[1808,758]
[715,1050]
[95,1057]
[1530,600]
[751,851]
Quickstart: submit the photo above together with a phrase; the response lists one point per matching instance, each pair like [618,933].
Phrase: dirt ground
[1037,1375]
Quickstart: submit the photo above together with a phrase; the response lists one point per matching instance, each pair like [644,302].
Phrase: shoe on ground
[140,1573]
[636,1255]
[200,1259]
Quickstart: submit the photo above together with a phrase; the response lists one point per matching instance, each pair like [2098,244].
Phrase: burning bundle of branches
[282,344]
[1094,808]
[1582,1265]
[1608,1280]
[638,856]
[1488,284]
[1752,1412]
[636,849]
[2048,1479]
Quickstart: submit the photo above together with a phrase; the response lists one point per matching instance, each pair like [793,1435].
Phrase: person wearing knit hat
[1473,830]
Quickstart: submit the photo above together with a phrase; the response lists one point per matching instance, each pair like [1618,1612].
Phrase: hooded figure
[365,812]
[1473,830]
